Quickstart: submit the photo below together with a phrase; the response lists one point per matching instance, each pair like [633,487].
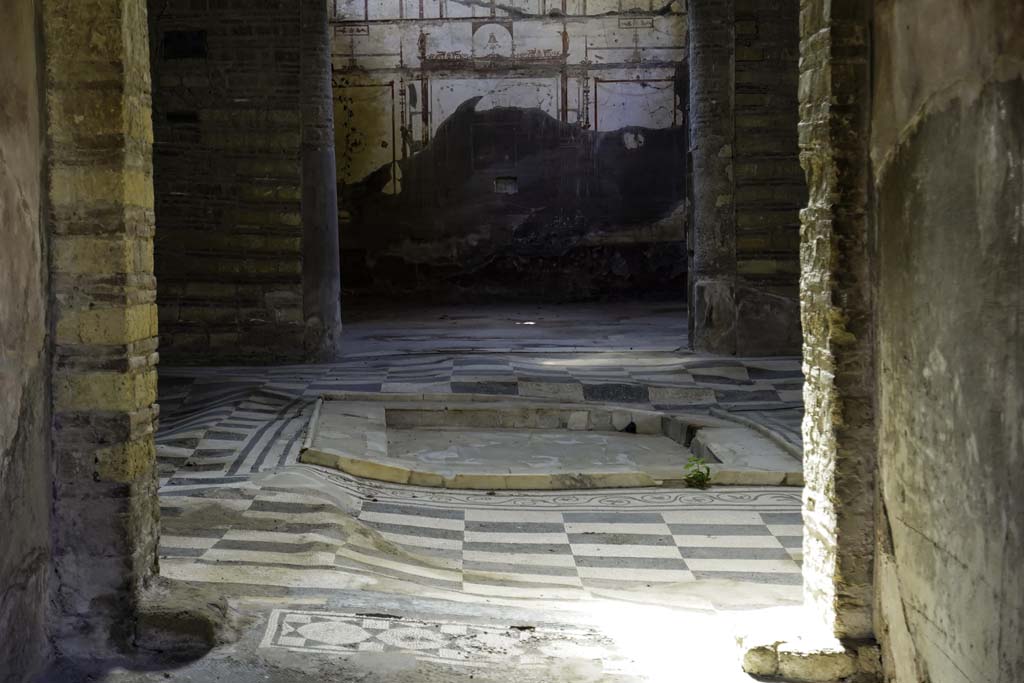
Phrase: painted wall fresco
[511,149]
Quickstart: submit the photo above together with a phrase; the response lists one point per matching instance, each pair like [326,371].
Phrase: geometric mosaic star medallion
[446,642]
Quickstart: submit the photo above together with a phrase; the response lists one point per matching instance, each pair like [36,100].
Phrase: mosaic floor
[228,422]
[517,545]
[446,642]
[224,429]
[570,585]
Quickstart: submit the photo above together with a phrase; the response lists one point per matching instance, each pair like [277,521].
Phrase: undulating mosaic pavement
[236,421]
[305,528]
[335,565]
[226,434]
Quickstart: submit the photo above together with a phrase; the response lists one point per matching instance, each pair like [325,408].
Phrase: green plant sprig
[698,474]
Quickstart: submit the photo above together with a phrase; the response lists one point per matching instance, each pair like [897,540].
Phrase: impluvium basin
[517,444]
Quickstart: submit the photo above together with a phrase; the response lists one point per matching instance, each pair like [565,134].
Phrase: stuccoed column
[321,270]
[100,217]
[712,132]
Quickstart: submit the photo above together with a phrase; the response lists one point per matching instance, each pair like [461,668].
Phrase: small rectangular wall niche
[506,185]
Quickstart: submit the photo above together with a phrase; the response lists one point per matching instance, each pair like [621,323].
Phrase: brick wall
[321,277]
[228,179]
[770,187]
[747,185]
[712,239]
[837,310]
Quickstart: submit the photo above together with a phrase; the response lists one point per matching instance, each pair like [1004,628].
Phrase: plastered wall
[25,471]
[479,141]
[947,148]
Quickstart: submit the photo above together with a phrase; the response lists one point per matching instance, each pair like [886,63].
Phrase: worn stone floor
[339,578]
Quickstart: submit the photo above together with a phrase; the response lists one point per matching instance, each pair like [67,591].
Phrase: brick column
[770,186]
[100,216]
[321,271]
[836,311]
[712,289]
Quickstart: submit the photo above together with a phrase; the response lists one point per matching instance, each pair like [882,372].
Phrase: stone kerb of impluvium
[353,432]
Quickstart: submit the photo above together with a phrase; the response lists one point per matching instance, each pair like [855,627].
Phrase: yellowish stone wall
[100,218]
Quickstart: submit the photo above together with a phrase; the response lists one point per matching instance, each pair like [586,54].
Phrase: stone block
[85,578]
[647,423]
[104,391]
[430,479]
[81,254]
[183,620]
[746,54]
[101,39]
[73,185]
[125,462]
[107,326]
[548,419]
[754,267]
[815,666]
[578,420]
[762,660]
[210,290]
[621,419]
[85,117]
[358,467]
[729,475]
[601,420]
[869,659]
[752,243]
[482,482]
[213,315]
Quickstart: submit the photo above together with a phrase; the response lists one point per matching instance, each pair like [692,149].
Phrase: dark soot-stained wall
[227,176]
[535,150]
[770,188]
[246,240]
[580,213]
